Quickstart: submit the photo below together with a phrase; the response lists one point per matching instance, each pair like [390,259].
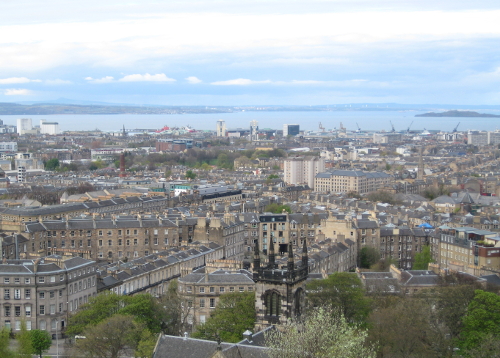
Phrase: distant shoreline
[458,114]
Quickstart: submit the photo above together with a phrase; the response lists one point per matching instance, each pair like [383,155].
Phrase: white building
[221,128]
[302,170]
[51,128]
[23,125]
[8,146]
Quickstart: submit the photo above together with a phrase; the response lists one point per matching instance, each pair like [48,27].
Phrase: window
[17,311]
[17,280]
[41,294]
[6,293]
[42,309]
[27,293]
[17,294]
[221,289]
[7,311]
[52,309]
[231,289]
[27,281]
[189,289]
[202,303]
[41,279]
[100,242]
[6,280]
[202,289]
[110,242]
[273,303]
[27,311]
[242,289]
[250,288]
[212,303]
[212,289]
[43,325]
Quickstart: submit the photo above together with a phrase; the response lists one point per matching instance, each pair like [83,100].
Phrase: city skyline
[273,52]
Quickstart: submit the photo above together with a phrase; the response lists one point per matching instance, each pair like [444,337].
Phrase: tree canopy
[343,290]
[40,341]
[234,314]
[52,164]
[143,308]
[277,208]
[324,332]
[422,259]
[481,320]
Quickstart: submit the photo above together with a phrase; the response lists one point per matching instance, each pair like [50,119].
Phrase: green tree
[4,343]
[146,345]
[422,259]
[402,332]
[343,290]
[277,209]
[481,320]
[368,256]
[324,333]
[143,308]
[234,314]
[40,341]
[52,164]
[24,345]
[273,176]
[190,174]
[110,338]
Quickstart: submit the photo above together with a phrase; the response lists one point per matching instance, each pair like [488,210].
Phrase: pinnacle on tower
[256,256]
[272,256]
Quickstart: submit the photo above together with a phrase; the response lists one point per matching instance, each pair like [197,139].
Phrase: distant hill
[455,113]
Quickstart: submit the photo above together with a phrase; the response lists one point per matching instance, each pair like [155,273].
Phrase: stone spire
[272,256]
[305,258]
[256,256]
[291,262]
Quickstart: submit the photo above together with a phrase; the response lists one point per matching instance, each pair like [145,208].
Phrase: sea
[308,120]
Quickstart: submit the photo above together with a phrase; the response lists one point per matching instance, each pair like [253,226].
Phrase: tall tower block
[221,128]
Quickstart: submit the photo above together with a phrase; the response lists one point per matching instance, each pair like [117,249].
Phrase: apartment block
[302,170]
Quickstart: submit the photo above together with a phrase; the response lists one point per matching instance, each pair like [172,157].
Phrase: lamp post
[57,341]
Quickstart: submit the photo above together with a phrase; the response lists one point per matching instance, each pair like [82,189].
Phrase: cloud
[17,92]
[14,80]
[239,82]
[58,82]
[193,80]
[106,79]
[159,77]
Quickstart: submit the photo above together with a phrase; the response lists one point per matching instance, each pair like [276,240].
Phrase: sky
[259,52]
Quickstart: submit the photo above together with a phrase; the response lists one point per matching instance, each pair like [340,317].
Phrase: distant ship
[167,129]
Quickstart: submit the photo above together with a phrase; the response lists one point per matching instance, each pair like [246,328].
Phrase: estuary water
[367,120]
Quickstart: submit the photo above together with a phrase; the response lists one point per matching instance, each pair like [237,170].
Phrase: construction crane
[393,129]
[321,128]
[359,129]
[455,129]
[408,129]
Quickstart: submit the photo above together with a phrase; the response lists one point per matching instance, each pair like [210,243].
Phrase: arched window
[273,303]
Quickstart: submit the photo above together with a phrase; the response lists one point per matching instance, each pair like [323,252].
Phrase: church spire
[291,262]
[256,256]
[272,256]
[305,258]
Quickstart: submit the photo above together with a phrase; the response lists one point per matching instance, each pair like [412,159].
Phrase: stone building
[356,181]
[43,292]
[202,288]
[280,291]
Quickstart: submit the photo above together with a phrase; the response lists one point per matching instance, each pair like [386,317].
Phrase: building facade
[302,170]
[43,292]
[356,181]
